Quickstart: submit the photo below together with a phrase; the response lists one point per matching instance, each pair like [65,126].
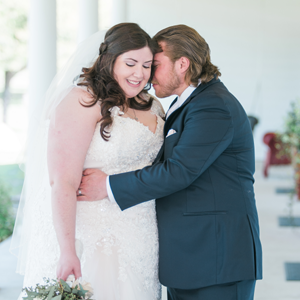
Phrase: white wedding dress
[120,248]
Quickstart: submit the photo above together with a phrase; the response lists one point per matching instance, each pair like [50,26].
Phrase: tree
[13,43]
[7,219]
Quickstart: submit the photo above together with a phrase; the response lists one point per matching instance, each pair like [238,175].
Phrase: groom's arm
[207,133]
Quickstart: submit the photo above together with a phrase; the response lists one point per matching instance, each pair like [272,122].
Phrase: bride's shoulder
[156,105]
[81,92]
[78,100]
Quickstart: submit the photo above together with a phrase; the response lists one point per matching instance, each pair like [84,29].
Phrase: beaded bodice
[131,146]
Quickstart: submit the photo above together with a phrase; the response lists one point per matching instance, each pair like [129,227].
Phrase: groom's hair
[184,41]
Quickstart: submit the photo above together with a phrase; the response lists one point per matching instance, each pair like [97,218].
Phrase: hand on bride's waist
[92,186]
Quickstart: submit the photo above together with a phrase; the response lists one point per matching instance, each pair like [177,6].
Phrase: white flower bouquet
[60,290]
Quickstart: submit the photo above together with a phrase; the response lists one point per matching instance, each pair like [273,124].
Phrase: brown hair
[99,79]
[184,41]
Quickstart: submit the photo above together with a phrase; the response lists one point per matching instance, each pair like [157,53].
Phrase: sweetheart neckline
[145,126]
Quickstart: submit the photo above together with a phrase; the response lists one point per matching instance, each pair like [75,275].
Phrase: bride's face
[132,70]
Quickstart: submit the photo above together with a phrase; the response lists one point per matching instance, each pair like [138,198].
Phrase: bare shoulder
[77,101]
[81,92]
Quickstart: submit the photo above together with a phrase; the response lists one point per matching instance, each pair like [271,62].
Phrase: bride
[106,120]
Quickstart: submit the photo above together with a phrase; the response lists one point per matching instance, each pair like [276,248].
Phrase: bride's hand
[68,265]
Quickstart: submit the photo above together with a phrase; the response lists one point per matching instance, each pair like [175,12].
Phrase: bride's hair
[99,79]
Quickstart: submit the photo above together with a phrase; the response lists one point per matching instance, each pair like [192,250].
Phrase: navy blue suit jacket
[203,182]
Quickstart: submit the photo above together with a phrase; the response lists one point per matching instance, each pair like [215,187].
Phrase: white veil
[36,175]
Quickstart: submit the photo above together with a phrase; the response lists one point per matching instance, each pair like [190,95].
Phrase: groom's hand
[93,186]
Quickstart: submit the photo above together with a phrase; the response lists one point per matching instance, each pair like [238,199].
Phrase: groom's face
[165,80]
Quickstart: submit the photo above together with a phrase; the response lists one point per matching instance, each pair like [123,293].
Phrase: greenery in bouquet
[60,290]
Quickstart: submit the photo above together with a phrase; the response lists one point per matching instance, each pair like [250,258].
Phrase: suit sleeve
[207,132]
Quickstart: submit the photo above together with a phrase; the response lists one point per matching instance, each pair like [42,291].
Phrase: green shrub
[6,213]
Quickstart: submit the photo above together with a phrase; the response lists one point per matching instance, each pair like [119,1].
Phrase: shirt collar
[186,93]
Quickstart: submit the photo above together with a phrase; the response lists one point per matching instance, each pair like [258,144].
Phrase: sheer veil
[36,177]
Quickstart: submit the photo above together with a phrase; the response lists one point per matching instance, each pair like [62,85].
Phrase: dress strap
[157,108]
[115,111]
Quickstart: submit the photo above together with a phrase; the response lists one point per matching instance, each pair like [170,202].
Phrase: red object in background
[273,156]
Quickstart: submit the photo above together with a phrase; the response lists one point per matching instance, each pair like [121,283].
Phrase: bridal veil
[36,175]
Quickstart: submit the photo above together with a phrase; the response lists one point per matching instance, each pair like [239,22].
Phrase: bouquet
[60,290]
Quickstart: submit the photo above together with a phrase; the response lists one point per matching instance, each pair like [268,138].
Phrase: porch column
[118,12]
[42,49]
[88,18]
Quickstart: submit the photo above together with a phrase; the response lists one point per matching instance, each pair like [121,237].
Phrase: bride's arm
[71,131]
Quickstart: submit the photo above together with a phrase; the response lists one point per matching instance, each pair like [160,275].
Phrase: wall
[256,45]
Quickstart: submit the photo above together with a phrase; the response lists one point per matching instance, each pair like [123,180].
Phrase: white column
[118,11]
[88,18]
[42,49]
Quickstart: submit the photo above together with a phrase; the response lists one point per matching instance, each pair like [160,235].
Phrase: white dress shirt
[181,99]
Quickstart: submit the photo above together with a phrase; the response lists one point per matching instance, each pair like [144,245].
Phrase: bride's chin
[132,95]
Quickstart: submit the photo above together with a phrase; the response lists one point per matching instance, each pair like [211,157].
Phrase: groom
[202,178]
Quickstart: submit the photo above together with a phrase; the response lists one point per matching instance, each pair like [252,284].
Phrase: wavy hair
[99,79]
[184,41]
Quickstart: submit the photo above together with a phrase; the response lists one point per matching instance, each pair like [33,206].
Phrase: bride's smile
[132,70]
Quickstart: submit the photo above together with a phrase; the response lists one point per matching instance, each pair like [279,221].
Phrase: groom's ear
[182,65]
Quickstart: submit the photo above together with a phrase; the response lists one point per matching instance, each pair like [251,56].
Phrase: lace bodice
[131,146]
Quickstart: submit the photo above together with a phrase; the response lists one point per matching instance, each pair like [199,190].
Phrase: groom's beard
[167,89]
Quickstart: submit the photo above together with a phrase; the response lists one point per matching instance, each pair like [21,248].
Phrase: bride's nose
[138,72]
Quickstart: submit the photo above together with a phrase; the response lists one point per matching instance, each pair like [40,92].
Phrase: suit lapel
[160,153]
[173,103]
[175,113]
